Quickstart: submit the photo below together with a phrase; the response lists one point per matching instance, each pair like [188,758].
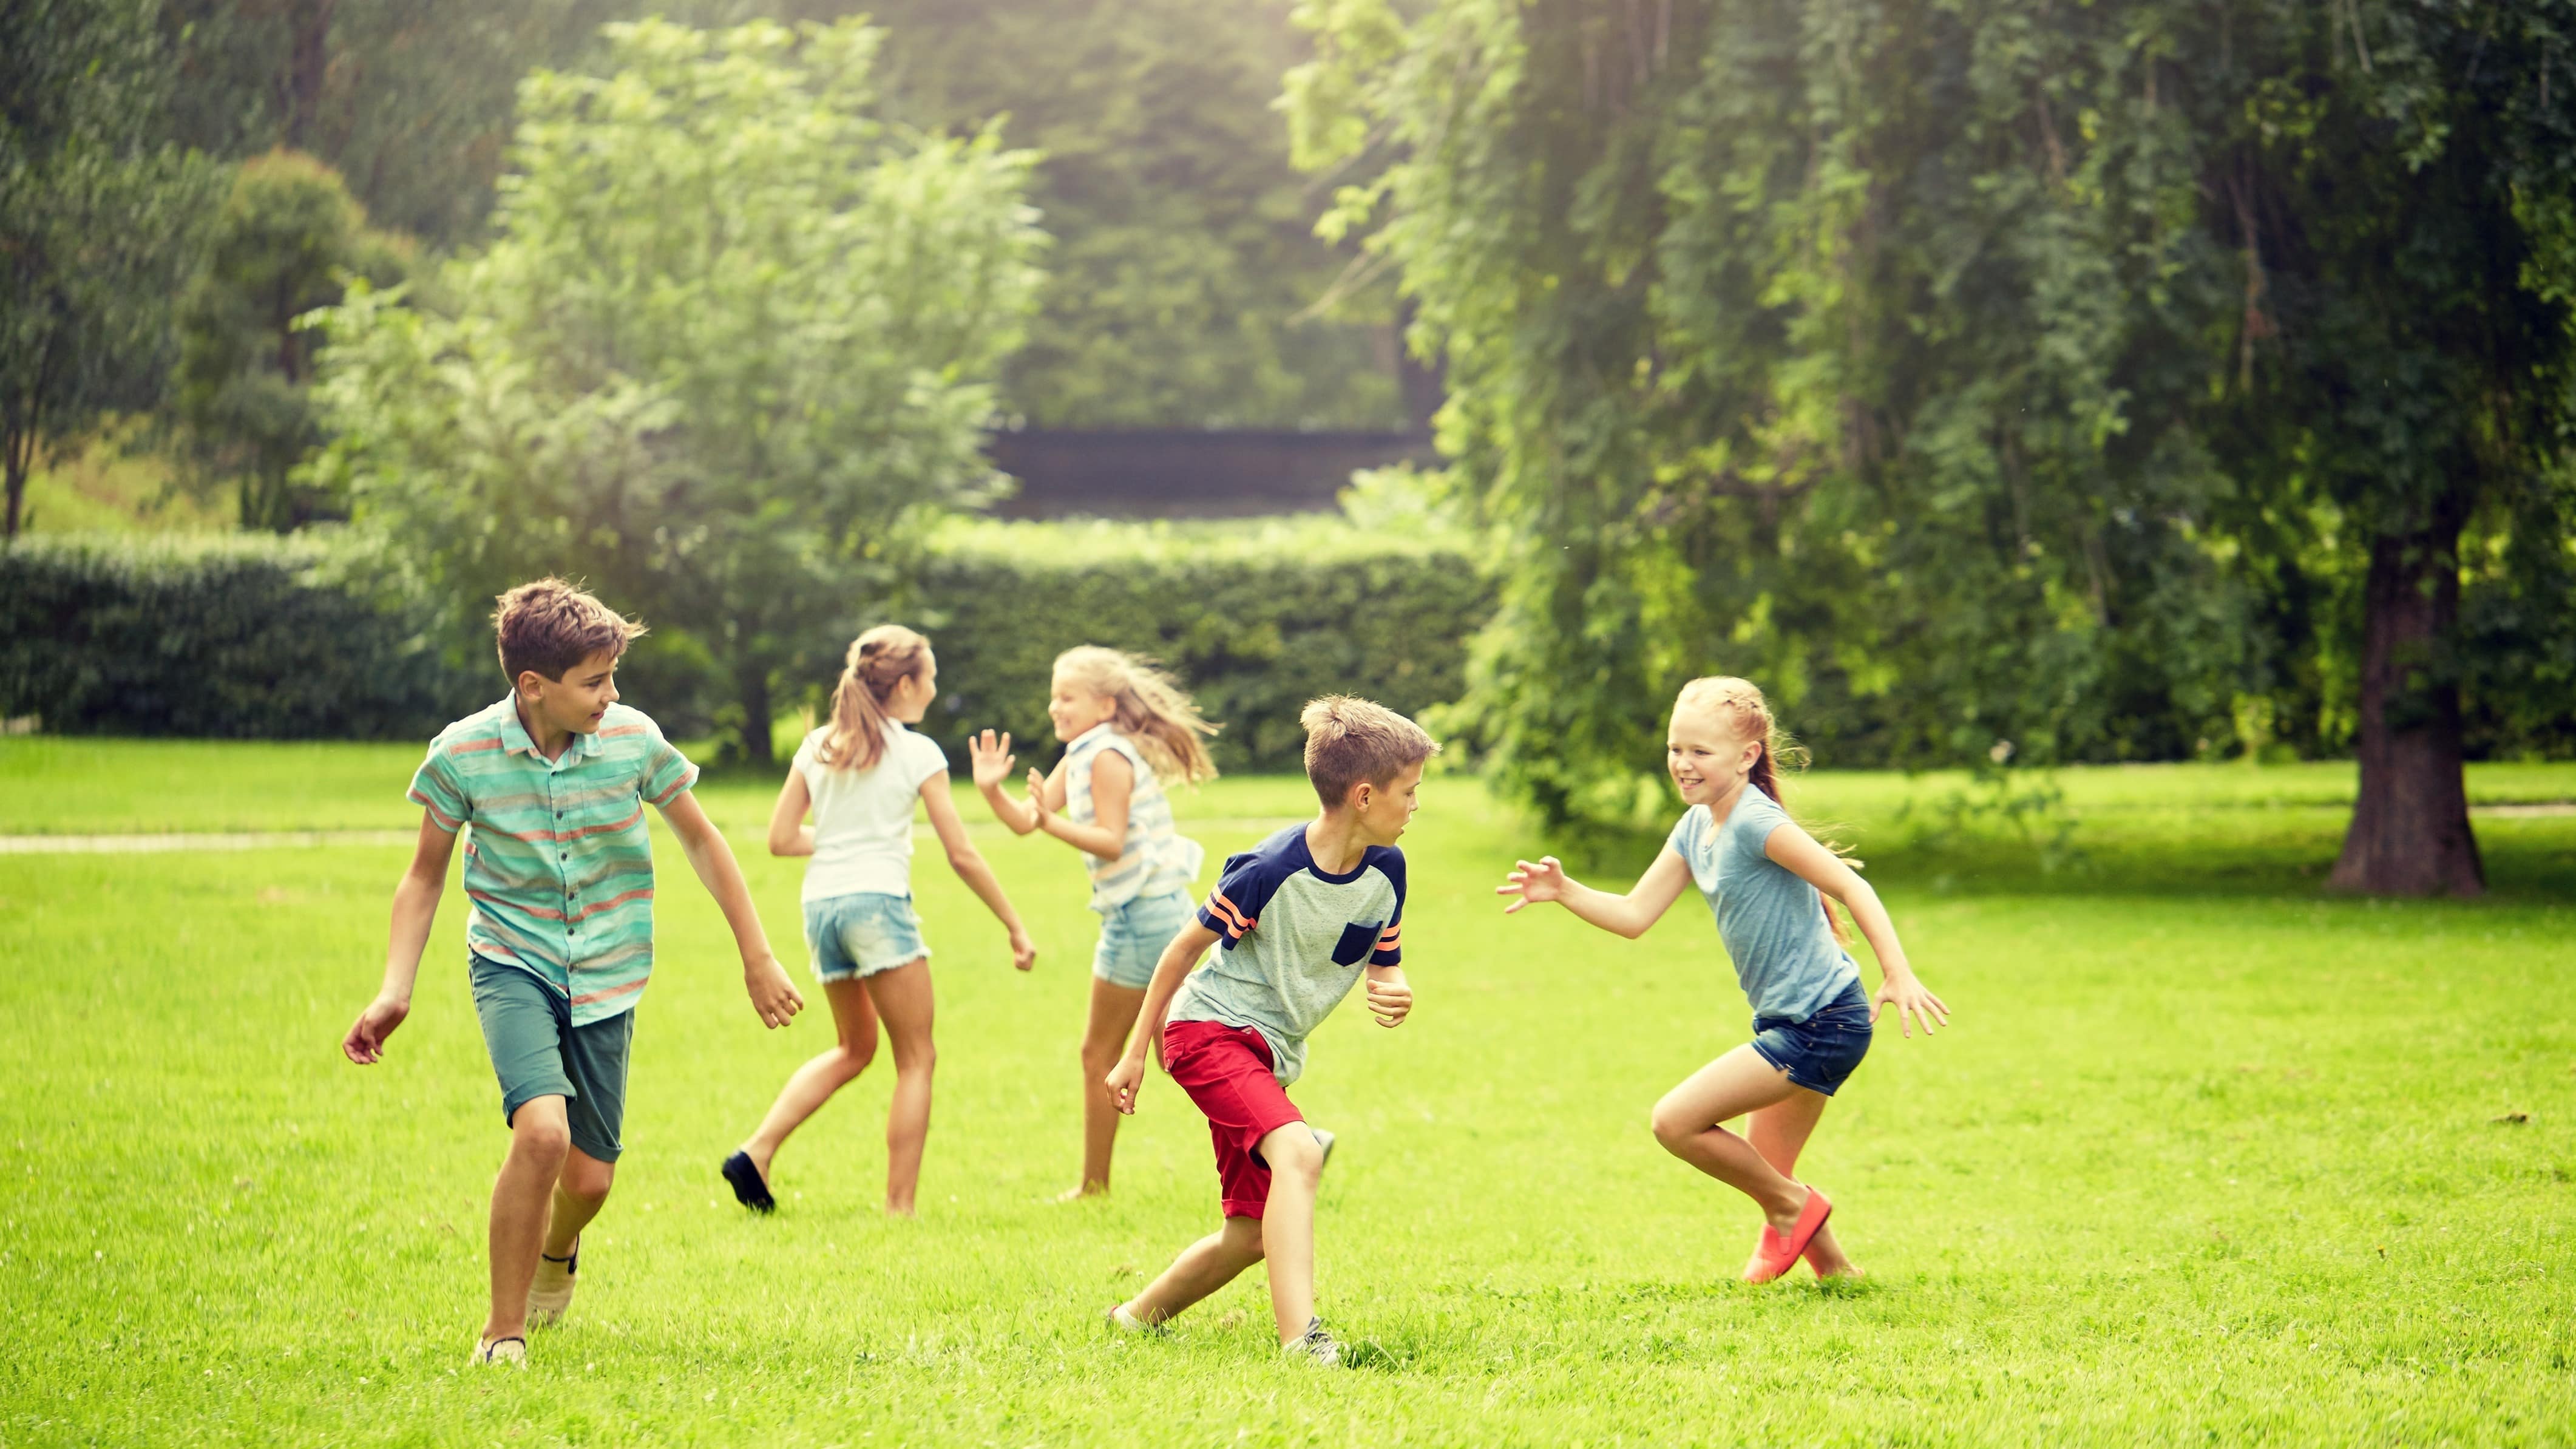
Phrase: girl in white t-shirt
[860,776]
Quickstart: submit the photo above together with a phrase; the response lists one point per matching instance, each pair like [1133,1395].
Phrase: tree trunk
[751,685]
[308,66]
[2410,831]
[16,466]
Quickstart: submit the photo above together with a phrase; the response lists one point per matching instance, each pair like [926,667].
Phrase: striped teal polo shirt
[559,867]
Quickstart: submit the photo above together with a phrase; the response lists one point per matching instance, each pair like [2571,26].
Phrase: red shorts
[1226,1071]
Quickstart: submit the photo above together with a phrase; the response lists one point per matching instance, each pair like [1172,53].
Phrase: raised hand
[1544,881]
[1038,810]
[1913,1004]
[992,758]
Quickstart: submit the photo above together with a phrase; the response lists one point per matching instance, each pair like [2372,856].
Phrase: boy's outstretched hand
[1122,1082]
[1544,881]
[365,1043]
[1912,1001]
[772,994]
[992,758]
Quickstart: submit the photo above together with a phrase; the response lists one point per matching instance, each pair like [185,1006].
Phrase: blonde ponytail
[1742,699]
[879,660]
[1153,710]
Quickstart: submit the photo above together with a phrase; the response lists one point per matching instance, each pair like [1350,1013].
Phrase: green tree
[284,243]
[733,341]
[1917,361]
[97,218]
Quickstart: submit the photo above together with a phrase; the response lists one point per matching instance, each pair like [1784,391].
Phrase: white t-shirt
[863,818]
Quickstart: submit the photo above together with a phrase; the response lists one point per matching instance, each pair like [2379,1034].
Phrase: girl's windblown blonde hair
[879,659]
[1741,702]
[1152,709]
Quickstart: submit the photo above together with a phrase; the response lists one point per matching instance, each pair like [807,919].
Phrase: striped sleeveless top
[1157,860]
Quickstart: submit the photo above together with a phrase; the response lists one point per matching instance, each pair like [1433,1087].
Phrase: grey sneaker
[512,1350]
[1324,1140]
[1119,1318]
[550,1293]
[1315,1345]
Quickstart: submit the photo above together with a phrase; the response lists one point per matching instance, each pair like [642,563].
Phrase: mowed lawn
[2206,1156]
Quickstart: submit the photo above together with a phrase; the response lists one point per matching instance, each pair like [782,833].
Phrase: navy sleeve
[1390,940]
[1234,908]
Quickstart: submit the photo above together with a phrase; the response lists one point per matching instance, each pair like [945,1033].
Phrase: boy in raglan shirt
[1302,916]
[554,778]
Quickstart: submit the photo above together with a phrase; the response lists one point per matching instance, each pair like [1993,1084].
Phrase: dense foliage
[735,338]
[282,244]
[2060,381]
[242,636]
[1256,618]
[301,637]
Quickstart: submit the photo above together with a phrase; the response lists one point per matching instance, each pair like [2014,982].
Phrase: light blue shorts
[1132,937]
[861,934]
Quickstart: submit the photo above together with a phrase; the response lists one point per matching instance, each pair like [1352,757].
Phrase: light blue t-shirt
[1296,940]
[1772,923]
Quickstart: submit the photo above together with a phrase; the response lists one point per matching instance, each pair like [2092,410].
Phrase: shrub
[253,636]
[216,635]
[1256,617]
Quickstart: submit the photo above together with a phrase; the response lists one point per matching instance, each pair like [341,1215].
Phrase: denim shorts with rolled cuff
[1820,1052]
[1133,935]
[538,1052]
[861,934]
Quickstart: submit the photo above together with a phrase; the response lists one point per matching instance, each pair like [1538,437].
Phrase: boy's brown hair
[551,625]
[1352,740]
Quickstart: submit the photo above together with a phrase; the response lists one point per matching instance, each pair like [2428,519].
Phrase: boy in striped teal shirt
[554,779]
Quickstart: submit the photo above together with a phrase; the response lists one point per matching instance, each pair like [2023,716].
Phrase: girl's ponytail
[1743,699]
[878,660]
[1153,710]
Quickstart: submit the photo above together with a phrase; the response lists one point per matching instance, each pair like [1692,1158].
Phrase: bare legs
[900,999]
[1782,1115]
[1284,1234]
[548,1191]
[1104,1036]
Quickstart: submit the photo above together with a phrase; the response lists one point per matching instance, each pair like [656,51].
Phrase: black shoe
[748,1189]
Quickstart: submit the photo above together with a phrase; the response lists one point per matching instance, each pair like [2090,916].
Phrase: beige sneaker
[1118,1317]
[551,1292]
[501,1351]
[1315,1346]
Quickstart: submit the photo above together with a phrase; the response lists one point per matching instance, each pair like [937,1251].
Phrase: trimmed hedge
[214,636]
[1255,617]
[254,636]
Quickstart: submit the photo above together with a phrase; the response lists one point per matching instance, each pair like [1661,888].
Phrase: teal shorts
[538,1052]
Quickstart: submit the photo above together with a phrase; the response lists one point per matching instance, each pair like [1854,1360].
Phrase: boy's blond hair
[550,625]
[1351,740]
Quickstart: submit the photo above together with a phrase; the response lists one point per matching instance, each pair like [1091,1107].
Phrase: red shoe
[1779,1254]
[1765,1248]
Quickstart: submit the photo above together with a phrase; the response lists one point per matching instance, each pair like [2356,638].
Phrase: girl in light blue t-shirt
[1127,729]
[1767,881]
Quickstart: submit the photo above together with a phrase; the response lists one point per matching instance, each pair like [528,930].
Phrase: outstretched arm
[415,906]
[1187,947]
[763,979]
[969,864]
[1798,851]
[992,760]
[1628,915]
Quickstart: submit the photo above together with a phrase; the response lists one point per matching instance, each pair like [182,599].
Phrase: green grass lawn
[2207,1156]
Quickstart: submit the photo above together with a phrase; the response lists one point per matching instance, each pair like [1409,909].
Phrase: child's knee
[855,1056]
[1292,1152]
[539,1132]
[1672,1126]
[586,1177]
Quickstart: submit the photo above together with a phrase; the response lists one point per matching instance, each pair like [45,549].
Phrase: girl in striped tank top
[1127,729]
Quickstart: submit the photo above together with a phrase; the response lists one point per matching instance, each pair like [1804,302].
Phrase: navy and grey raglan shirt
[1295,939]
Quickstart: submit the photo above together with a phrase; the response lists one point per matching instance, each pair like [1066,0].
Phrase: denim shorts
[861,934]
[1821,1051]
[1133,935]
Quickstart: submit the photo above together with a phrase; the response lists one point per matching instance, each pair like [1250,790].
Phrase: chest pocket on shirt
[1357,941]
